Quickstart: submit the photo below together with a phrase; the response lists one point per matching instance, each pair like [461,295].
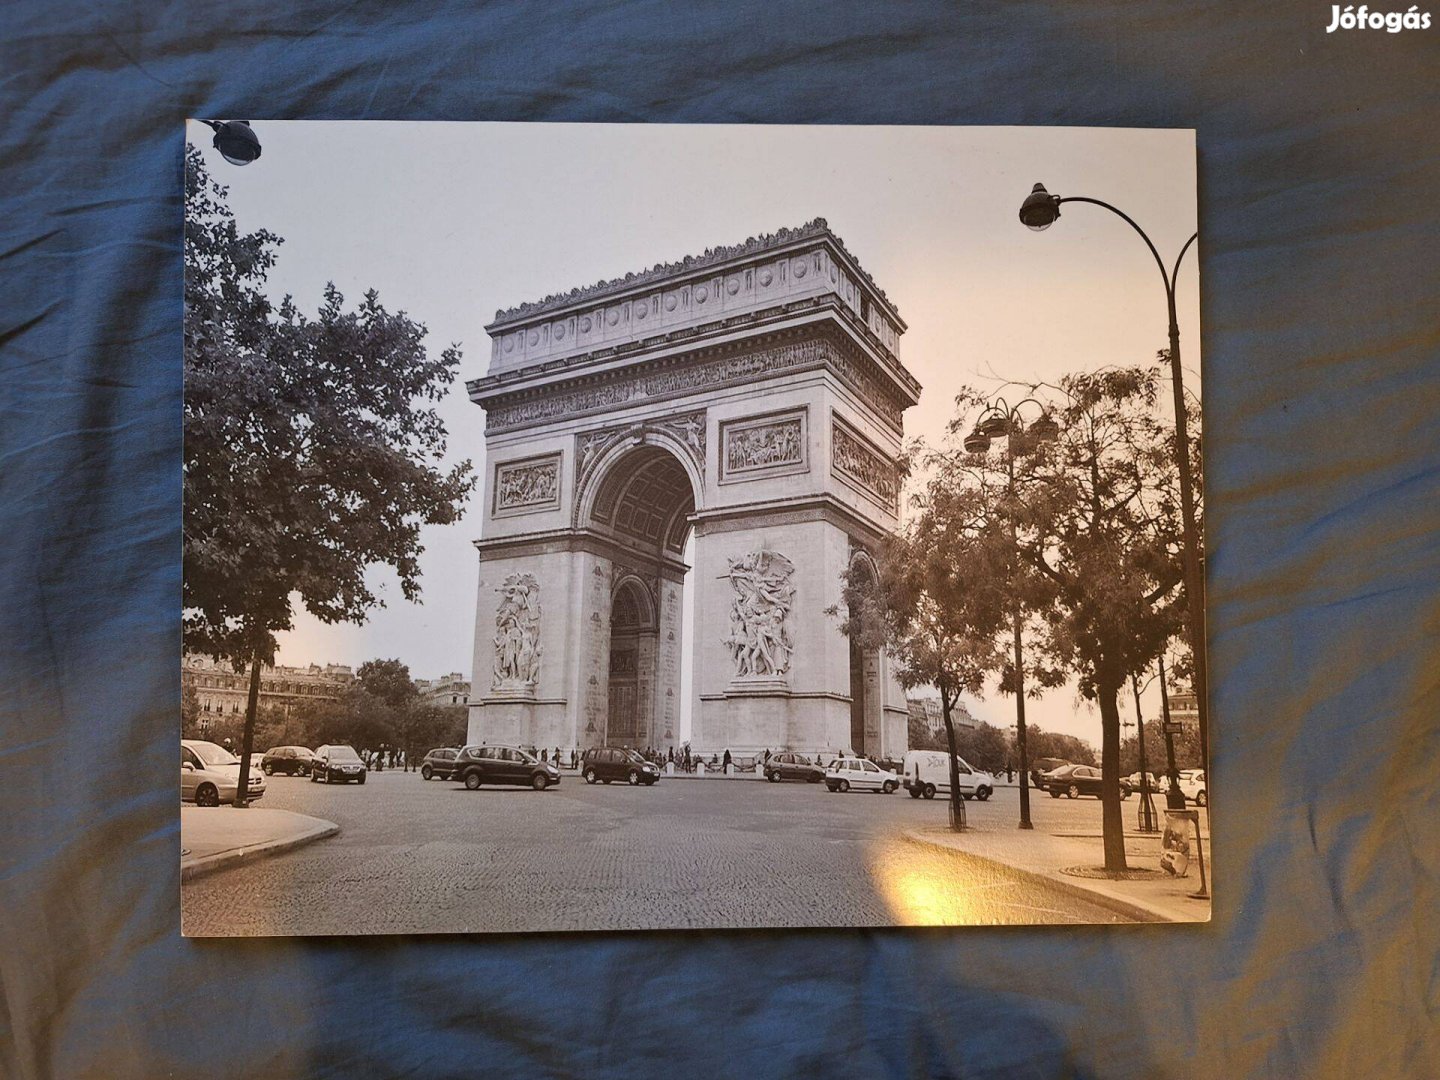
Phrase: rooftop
[818,227]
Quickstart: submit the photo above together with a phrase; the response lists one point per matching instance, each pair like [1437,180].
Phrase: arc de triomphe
[754,394]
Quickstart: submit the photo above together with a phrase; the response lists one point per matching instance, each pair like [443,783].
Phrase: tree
[1103,528]
[928,601]
[313,449]
[388,680]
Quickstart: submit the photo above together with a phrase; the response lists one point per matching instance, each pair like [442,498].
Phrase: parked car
[210,774]
[476,765]
[845,773]
[927,773]
[602,764]
[1152,782]
[290,760]
[791,766]
[1072,781]
[439,763]
[1192,784]
[337,765]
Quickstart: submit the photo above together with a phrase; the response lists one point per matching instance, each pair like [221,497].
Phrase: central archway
[640,496]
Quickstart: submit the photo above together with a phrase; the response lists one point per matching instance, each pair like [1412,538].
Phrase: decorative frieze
[855,459]
[688,428]
[527,486]
[763,445]
[694,374]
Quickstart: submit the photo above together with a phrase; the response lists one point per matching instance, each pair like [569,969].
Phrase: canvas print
[629,527]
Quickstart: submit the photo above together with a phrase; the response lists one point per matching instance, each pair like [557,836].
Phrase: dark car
[1072,781]
[439,763]
[606,763]
[337,765]
[788,766]
[476,765]
[290,760]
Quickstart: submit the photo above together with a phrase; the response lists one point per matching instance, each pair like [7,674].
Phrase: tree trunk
[247,739]
[1112,819]
[957,804]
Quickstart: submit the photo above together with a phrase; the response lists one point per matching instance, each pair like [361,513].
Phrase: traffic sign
[1174,727]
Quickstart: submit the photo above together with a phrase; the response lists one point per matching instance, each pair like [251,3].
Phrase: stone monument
[753,396]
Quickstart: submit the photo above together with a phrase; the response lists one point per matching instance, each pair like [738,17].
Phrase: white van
[928,772]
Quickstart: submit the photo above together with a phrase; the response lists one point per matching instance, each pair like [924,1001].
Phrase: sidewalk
[1156,897]
[217,837]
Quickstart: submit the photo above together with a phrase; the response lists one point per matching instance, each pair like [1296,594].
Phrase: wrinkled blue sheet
[1319,182]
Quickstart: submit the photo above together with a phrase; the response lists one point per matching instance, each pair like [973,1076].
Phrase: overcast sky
[451,221]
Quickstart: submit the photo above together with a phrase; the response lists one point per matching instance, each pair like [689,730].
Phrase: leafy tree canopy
[313,450]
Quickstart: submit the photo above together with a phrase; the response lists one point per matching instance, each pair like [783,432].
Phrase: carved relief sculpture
[760,638]
[517,633]
[866,467]
[524,484]
[763,445]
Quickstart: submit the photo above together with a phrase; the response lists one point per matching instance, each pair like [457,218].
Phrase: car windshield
[343,753]
[634,755]
[212,754]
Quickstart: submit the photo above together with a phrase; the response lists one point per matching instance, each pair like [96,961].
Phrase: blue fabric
[1319,187]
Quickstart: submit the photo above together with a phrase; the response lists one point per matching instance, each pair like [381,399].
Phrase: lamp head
[1040,209]
[235,140]
[994,425]
[976,443]
[1045,429]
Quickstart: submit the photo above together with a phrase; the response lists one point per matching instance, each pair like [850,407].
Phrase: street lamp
[1038,212]
[235,139]
[1001,419]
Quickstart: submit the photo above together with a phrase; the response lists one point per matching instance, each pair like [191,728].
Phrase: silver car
[210,774]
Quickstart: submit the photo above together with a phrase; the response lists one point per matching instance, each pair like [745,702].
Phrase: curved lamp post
[1039,211]
[1001,420]
[235,139]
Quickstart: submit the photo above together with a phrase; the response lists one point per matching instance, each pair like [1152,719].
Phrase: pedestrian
[728,759]
[767,755]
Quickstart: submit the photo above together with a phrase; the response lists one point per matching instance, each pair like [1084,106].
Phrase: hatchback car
[476,765]
[337,765]
[602,764]
[210,774]
[789,766]
[1072,781]
[290,760]
[1192,783]
[845,773]
[439,763]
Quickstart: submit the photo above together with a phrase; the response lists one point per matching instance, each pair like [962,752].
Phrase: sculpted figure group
[759,632]
[517,631]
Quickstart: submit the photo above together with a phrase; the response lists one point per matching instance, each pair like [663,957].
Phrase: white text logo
[1362,18]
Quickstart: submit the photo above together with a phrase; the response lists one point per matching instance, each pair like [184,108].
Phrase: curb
[223,860]
[1136,911]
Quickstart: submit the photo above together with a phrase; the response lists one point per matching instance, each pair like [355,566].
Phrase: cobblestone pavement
[418,857]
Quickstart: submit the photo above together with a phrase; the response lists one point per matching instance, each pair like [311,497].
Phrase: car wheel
[314,778]
[983,794]
[590,776]
[1054,793]
[929,791]
[361,780]
[914,792]
[773,777]
[538,782]
[605,781]
[633,778]
[207,795]
[814,779]
[472,781]
[1201,799]
[1124,793]
[889,786]
[844,785]
[426,772]
[1072,792]
[268,770]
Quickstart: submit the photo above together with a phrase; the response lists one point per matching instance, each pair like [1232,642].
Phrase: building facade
[220,690]
[752,397]
[452,689]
